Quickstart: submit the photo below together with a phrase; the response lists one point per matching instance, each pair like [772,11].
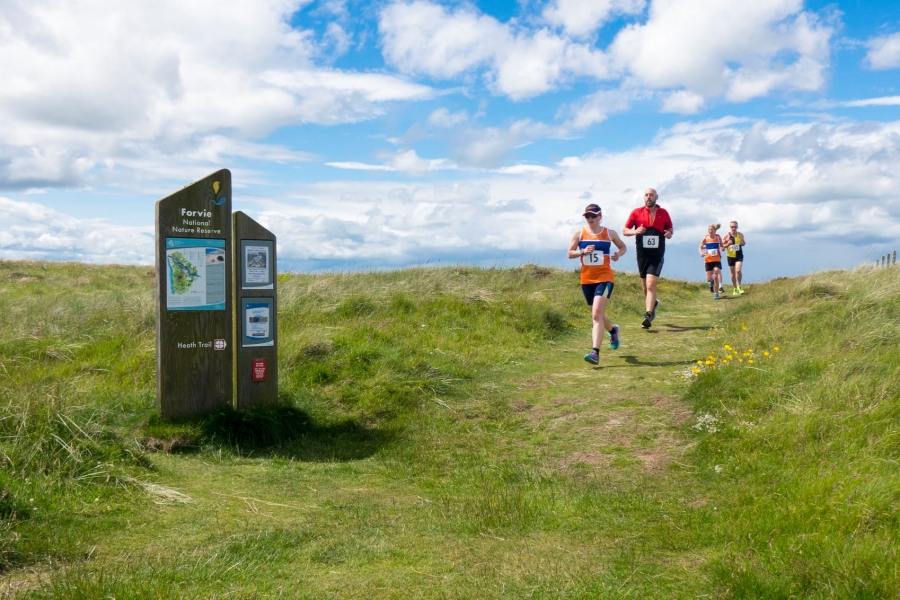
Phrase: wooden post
[194,307]
[895,257]
[256,306]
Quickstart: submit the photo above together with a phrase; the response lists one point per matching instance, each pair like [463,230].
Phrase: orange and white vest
[595,266]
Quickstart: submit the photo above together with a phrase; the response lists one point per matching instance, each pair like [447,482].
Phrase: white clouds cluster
[821,193]
[740,50]
[421,36]
[884,52]
[795,189]
[35,232]
[692,50]
[579,18]
[89,83]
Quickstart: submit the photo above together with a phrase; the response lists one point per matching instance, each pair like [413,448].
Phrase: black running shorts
[733,260]
[713,265]
[649,264]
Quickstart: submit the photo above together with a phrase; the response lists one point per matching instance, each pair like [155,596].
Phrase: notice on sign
[195,274]
[256,261]
[259,370]
[257,330]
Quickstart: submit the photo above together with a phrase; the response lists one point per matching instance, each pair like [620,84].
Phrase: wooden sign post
[194,312]
[256,321]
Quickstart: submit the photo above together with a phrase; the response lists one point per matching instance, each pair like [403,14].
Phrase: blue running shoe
[593,357]
[716,297]
[614,338]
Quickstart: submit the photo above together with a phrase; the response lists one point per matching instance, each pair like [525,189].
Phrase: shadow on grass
[279,431]
[679,328]
[633,360]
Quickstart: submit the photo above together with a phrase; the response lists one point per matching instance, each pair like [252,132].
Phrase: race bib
[712,249]
[735,248]
[651,241]
[601,249]
[593,258]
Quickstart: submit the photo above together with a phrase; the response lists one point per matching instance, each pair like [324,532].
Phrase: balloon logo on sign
[217,201]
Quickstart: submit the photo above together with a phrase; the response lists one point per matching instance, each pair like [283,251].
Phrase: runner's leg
[650,291]
[737,269]
[602,322]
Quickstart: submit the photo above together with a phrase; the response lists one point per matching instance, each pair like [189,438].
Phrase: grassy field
[440,436]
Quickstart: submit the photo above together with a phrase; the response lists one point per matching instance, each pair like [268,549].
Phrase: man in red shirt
[653,226]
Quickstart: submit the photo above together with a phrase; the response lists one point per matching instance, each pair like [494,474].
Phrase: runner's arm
[574,250]
[619,244]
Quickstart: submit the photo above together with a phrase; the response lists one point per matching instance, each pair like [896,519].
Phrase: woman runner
[734,242]
[711,251]
[592,244]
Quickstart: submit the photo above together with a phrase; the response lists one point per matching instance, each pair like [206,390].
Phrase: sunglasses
[592,216]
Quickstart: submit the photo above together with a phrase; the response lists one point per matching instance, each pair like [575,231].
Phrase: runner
[711,251]
[734,241]
[652,226]
[592,244]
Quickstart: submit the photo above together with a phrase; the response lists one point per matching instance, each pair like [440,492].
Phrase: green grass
[439,436]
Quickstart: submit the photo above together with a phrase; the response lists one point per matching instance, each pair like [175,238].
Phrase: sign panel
[255,285]
[195,274]
[195,308]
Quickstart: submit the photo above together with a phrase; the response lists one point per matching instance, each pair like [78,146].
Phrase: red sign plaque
[259,369]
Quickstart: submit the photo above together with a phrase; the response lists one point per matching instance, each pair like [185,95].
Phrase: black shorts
[739,257]
[713,265]
[592,290]
[649,264]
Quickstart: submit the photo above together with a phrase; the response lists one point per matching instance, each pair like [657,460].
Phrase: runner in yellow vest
[734,240]
[593,245]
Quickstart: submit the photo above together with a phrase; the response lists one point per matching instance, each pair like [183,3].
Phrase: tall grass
[805,452]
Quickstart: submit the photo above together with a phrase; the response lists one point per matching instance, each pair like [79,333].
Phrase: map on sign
[195,274]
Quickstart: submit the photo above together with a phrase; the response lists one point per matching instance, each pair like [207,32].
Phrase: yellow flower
[750,350]
[695,369]
[699,362]
[766,353]
[743,327]
[750,360]
[727,347]
[775,348]
[740,360]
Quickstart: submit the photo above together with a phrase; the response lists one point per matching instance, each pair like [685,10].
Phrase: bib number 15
[593,258]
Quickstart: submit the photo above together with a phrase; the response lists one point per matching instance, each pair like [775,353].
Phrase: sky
[385,134]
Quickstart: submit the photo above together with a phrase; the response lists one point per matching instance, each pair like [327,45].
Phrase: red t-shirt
[640,217]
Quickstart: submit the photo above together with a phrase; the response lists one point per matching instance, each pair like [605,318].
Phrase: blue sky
[384,134]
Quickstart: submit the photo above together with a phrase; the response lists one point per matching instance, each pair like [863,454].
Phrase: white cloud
[445,119]
[579,18]
[596,107]
[884,52]
[404,161]
[683,102]
[738,50]
[34,232]
[99,83]
[424,37]
[883,101]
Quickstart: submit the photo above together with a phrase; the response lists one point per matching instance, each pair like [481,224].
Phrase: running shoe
[740,290]
[721,289]
[646,322]
[735,292]
[716,297]
[653,312]
[614,338]
[592,357]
